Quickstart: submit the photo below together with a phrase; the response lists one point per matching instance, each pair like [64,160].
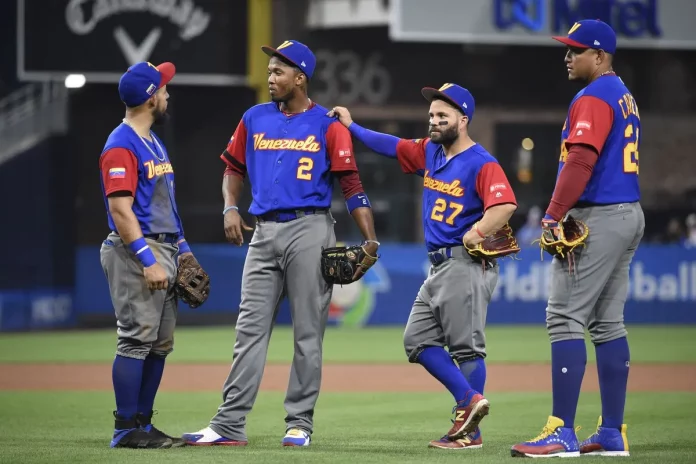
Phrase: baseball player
[466,197]
[291,151]
[139,255]
[597,184]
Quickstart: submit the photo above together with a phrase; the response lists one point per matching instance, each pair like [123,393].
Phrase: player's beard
[159,116]
[446,136]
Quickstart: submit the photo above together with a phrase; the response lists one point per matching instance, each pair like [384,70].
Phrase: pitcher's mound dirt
[337,377]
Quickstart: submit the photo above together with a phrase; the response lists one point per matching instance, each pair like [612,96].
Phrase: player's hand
[234,225]
[342,114]
[156,277]
[549,228]
[371,249]
[471,238]
[178,260]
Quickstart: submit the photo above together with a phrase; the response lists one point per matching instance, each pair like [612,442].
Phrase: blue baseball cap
[142,80]
[456,95]
[590,33]
[296,53]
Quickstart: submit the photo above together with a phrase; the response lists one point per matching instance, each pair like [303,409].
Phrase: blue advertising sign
[662,286]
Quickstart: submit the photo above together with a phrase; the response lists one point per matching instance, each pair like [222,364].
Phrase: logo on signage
[83,16]
[629,18]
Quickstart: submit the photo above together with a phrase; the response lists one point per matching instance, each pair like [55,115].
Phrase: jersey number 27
[630,152]
[439,208]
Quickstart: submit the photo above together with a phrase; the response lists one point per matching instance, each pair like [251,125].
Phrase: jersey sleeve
[119,170]
[235,153]
[590,121]
[339,146]
[493,187]
[411,155]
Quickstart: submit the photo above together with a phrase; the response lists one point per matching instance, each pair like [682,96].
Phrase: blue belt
[443,254]
[288,215]
[163,238]
[440,256]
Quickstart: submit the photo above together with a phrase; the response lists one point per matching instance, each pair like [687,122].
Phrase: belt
[443,254]
[163,238]
[289,214]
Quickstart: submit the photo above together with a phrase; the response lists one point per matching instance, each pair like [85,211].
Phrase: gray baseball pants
[593,295]
[145,318]
[283,260]
[450,309]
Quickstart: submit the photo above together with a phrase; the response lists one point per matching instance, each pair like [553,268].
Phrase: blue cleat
[606,442]
[555,440]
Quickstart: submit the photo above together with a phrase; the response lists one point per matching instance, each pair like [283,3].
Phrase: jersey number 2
[306,165]
[630,153]
[439,210]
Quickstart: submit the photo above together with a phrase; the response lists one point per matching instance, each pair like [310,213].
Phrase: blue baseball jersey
[289,158]
[605,115]
[141,168]
[456,192]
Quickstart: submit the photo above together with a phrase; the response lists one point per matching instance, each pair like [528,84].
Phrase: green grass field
[510,344]
[350,428]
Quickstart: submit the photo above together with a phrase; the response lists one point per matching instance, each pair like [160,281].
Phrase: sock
[612,367]
[439,364]
[475,373]
[568,359]
[126,375]
[152,375]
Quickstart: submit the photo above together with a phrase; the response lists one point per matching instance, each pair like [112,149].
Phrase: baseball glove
[339,264]
[560,239]
[498,245]
[192,282]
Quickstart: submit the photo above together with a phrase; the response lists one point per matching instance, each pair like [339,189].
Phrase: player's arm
[234,157]
[409,153]
[119,169]
[499,202]
[340,149]
[590,121]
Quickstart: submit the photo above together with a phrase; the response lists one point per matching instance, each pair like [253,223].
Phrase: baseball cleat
[467,418]
[208,437]
[606,442]
[144,421]
[555,440]
[127,434]
[296,437]
[470,441]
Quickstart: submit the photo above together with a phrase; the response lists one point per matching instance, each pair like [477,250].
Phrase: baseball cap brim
[270,51]
[429,93]
[569,42]
[167,70]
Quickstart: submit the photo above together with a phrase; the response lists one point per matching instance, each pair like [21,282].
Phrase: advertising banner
[638,23]
[662,286]
[205,39]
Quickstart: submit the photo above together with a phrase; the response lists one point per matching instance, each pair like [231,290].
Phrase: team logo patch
[151,89]
[117,173]
[495,187]
[583,125]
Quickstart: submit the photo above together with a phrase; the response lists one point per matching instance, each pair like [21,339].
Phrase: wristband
[143,252]
[372,241]
[478,231]
[224,211]
[359,200]
[183,246]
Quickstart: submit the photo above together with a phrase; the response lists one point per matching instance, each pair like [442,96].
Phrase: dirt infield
[337,377]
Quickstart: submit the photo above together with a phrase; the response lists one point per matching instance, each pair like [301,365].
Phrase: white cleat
[296,437]
[209,437]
